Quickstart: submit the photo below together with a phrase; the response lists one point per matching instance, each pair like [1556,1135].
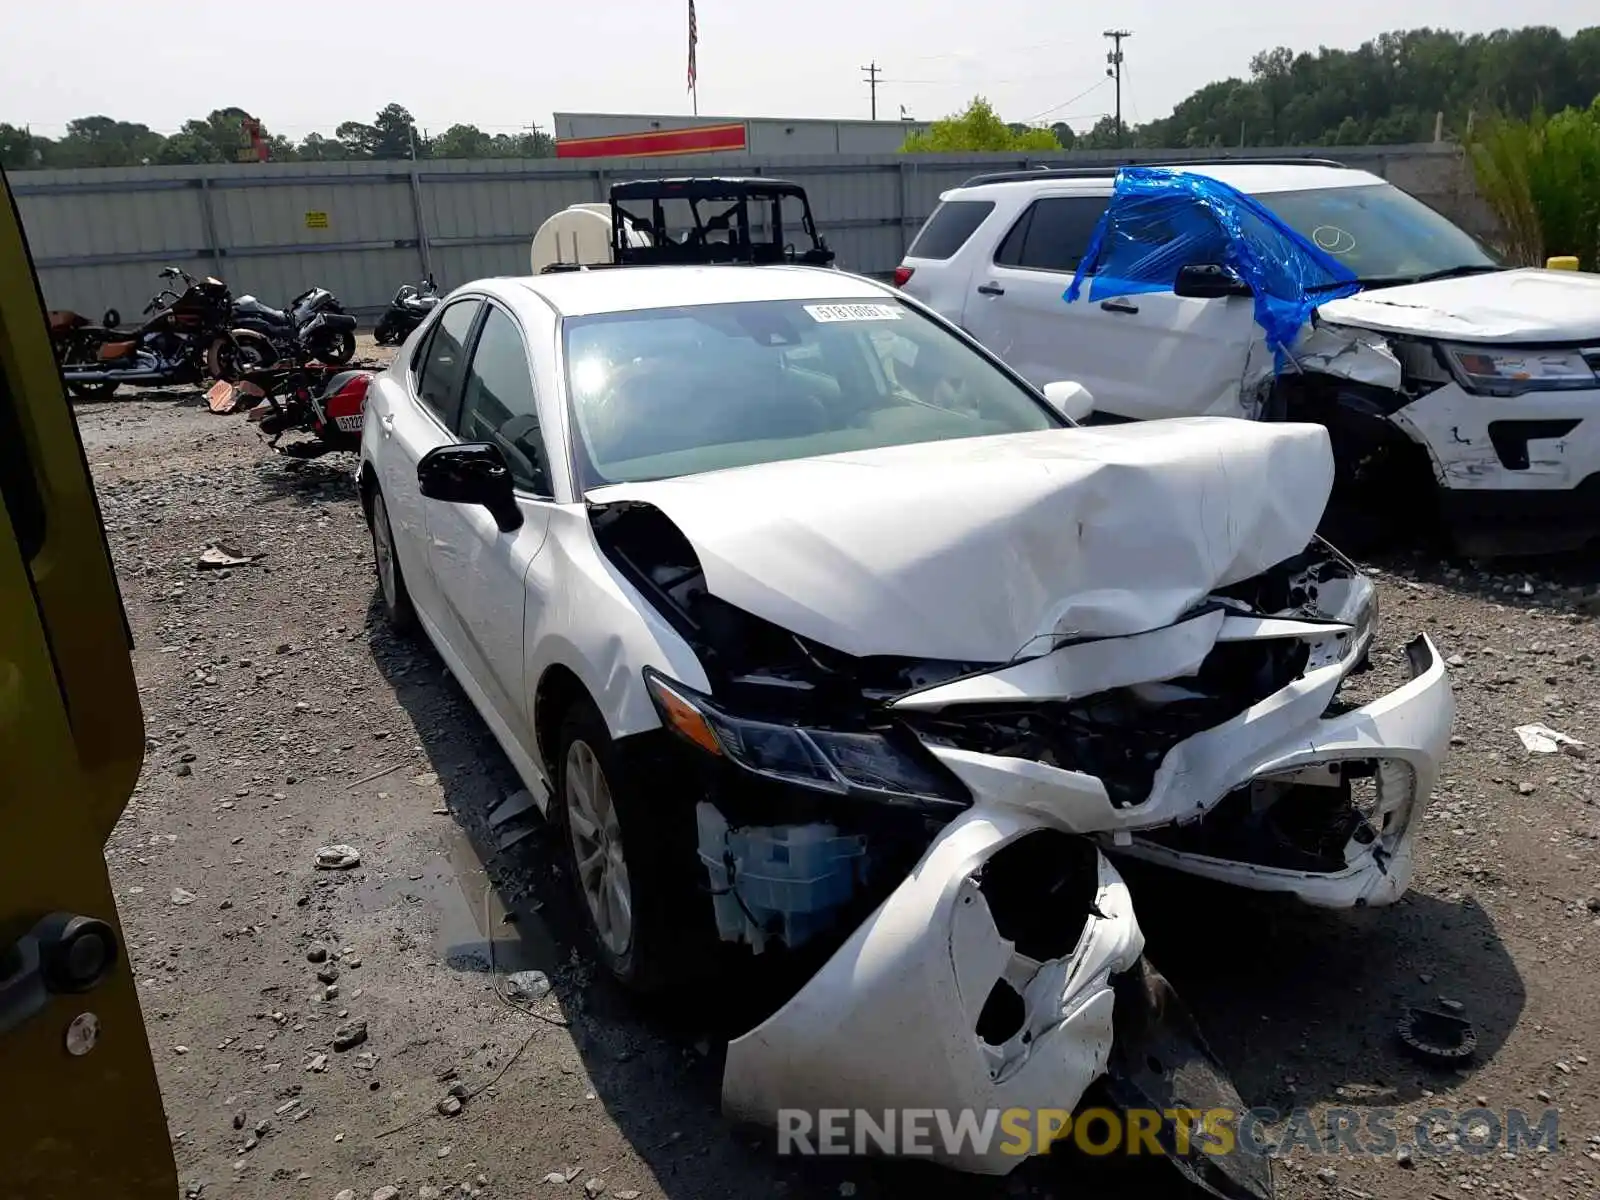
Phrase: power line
[1073,100]
[1115,70]
[871,81]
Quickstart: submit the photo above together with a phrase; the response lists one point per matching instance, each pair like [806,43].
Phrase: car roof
[1247,177]
[629,289]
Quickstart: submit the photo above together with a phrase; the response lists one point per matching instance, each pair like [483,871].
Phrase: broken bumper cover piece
[930,1005]
[1405,733]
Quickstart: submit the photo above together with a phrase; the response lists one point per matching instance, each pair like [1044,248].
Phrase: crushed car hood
[989,549]
[1507,306]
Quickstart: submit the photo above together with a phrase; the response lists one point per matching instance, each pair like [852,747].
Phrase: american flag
[694,37]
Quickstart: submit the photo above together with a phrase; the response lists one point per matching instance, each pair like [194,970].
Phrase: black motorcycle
[314,326]
[409,308]
[184,338]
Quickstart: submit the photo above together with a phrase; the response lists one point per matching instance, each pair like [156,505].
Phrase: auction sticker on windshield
[853,312]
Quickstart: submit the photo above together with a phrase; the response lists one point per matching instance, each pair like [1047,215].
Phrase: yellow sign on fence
[316,220]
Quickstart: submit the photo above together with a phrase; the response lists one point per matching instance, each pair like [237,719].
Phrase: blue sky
[303,66]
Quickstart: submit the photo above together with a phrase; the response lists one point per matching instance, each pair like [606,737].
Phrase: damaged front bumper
[1275,755]
[983,983]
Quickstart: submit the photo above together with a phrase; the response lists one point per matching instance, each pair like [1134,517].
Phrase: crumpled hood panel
[1528,305]
[980,549]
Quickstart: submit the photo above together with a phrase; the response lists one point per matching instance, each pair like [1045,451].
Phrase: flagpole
[694,92]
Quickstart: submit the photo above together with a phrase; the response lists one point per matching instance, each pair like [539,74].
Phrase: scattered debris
[449,1106]
[319,1064]
[512,807]
[527,985]
[318,953]
[328,974]
[1541,739]
[1437,1037]
[1403,1157]
[182,896]
[216,556]
[593,1186]
[348,1037]
[555,1177]
[337,858]
[387,1193]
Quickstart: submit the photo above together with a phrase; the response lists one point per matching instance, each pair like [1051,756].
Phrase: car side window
[499,405]
[1054,234]
[439,377]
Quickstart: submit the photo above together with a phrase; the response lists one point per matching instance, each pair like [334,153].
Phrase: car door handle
[387,421]
[991,289]
[1119,306]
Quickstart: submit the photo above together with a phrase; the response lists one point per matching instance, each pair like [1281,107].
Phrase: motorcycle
[184,338]
[409,308]
[314,326]
[323,400]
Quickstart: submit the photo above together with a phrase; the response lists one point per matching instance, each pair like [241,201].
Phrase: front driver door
[80,1109]
[481,570]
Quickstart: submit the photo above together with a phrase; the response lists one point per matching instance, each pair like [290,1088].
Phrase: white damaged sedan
[814,627]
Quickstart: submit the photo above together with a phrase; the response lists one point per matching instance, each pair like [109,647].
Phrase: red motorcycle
[324,401]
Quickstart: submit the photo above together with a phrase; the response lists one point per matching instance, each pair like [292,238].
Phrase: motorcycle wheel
[336,349]
[384,334]
[241,351]
[92,391]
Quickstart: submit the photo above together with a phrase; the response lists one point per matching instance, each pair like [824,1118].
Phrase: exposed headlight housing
[842,763]
[1351,600]
[1497,371]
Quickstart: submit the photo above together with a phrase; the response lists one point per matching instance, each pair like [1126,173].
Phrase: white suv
[1447,376]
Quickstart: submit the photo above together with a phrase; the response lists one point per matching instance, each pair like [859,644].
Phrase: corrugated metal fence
[363,228]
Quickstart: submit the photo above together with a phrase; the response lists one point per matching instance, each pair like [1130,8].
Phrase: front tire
[396,599]
[92,391]
[629,851]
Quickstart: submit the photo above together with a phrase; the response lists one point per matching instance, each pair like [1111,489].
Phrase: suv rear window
[948,229]
[1053,234]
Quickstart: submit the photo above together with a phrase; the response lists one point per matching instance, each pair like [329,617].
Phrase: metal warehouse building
[762,135]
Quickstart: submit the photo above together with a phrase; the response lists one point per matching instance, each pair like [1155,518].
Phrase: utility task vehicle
[696,220]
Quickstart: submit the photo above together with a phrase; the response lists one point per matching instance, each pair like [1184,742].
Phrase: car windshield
[677,391]
[1381,233]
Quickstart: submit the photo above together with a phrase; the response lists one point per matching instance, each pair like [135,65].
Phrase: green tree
[392,134]
[978,128]
[1064,134]
[19,149]
[463,141]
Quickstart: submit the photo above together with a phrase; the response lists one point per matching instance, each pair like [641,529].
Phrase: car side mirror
[1072,400]
[471,473]
[1209,281]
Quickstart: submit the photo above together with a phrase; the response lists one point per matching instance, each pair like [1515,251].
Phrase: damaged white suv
[1450,385]
[811,625]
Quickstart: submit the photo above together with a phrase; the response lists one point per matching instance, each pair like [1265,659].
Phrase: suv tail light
[903,274]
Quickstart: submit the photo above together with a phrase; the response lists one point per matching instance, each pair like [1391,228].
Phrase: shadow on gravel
[324,480]
[1567,582]
[1283,993]
[1301,1004]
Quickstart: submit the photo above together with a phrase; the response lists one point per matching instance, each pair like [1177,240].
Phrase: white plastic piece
[888,1021]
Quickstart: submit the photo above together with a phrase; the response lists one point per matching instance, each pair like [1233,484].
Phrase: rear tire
[92,391]
[337,349]
[396,599]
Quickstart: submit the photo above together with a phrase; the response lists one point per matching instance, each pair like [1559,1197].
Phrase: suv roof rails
[1045,171]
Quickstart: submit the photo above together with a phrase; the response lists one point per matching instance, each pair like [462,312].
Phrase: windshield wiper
[1457,272]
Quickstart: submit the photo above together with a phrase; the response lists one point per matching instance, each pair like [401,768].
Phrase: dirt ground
[283,717]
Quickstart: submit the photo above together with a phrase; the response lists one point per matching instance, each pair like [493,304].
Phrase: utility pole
[1114,57]
[873,71]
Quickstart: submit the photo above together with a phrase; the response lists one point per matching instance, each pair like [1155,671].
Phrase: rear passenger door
[1014,305]
[480,570]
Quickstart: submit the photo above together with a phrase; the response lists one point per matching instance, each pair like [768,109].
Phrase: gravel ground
[282,717]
